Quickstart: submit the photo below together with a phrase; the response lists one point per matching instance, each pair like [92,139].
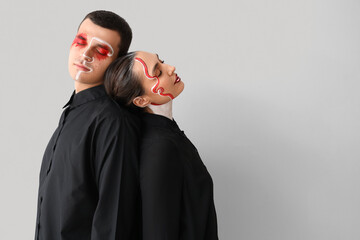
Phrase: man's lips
[177,79]
[82,67]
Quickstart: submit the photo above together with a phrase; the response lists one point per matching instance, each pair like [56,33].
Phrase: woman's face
[159,80]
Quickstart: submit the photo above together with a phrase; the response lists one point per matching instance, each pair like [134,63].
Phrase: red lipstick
[177,79]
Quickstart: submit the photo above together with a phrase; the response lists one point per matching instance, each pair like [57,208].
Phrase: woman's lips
[82,67]
[177,79]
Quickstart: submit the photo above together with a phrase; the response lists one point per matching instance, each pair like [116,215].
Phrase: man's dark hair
[121,83]
[112,21]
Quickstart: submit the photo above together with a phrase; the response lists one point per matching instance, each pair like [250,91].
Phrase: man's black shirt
[89,187]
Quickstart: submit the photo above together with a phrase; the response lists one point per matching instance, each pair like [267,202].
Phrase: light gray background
[271,101]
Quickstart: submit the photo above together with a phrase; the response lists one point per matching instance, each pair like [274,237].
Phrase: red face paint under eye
[80,40]
[102,53]
[155,88]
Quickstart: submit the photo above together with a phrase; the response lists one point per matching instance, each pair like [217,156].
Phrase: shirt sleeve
[161,180]
[115,168]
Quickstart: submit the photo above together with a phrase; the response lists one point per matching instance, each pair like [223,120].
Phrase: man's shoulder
[110,111]
[107,107]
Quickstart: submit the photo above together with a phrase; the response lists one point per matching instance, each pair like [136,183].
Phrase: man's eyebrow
[81,36]
[103,46]
[101,43]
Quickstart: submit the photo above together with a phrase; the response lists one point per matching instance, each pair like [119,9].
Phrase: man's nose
[88,55]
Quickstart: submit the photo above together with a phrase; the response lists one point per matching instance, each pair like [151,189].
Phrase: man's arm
[115,166]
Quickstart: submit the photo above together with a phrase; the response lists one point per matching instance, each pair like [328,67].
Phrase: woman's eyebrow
[162,61]
[154,68]
[156,65]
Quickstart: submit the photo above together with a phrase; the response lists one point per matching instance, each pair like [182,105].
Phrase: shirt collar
[85,96]
[155,120]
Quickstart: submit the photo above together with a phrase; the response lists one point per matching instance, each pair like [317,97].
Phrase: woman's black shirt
[176,188]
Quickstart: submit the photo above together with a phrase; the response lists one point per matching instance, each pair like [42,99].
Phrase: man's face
[92,51]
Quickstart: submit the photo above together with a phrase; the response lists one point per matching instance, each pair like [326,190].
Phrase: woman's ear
[141,101]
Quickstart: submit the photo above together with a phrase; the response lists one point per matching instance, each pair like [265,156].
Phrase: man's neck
[163,110]
[83,86]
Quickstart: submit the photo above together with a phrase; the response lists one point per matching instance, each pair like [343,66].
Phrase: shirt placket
[61,126]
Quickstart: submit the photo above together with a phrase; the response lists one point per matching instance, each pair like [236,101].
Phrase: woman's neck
[164,109]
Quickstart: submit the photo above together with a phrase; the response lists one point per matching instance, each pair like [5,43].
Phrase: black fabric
[176,188]
[89,178]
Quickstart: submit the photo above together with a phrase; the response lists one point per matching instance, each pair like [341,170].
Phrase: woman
[176,188]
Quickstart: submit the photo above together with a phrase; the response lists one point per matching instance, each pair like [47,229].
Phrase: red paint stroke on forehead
[154,89]
[80,40]
[145,67]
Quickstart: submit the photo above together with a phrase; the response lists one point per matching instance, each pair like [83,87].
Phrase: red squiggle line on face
[154,88]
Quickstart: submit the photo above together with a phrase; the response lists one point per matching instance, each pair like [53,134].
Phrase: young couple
[118,167]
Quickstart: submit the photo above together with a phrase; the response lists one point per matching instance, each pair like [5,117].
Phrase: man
[89,174]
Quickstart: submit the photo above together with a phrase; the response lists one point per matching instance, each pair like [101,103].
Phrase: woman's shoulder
[159,132]
[159,139]
[160,148]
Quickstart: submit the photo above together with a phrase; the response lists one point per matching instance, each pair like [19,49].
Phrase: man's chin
[81,76]
[88,81]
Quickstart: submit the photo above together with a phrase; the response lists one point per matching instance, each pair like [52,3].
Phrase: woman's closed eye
[160,72]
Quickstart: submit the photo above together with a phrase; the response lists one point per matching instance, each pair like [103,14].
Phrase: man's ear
[141,101]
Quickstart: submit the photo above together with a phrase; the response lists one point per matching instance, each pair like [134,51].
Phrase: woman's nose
[171,70]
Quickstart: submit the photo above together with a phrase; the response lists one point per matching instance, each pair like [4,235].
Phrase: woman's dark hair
[121,83]
[112,21]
